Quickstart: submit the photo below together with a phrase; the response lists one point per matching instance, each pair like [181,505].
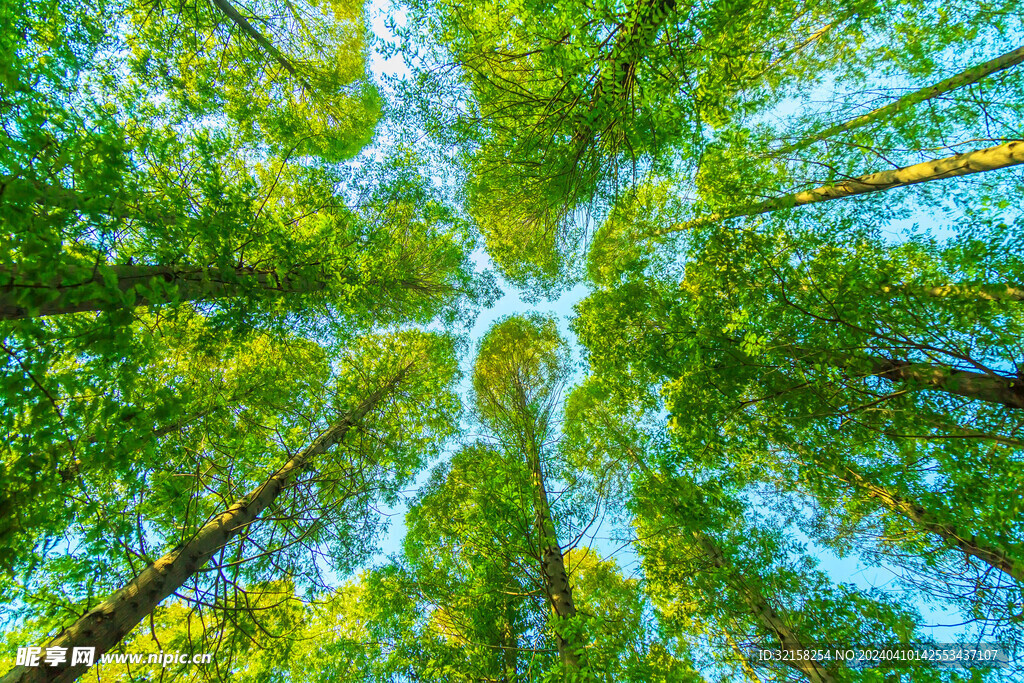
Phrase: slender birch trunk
[106,624]
[989,159]
[104,287]
[996,557]
[960,80]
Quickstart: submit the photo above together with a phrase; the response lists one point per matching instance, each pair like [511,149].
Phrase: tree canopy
[742,398]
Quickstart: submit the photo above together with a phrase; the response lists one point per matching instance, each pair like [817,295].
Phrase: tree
[960,80]
[288,75]
[596,90]
[848,304]
[294,241]
[403,257]
[189,384]
[468,578]
[719,559]
[567,107]
[930,520]
[95,161]
[768,362]
[745,582]
[390,380]
[136,197]
[477,605]
[989,159]
[520,369]
[212,375]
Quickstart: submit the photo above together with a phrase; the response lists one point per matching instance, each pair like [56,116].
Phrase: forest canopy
[621,341]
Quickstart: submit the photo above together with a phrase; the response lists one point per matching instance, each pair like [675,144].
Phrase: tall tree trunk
[108,623]
[978,161]
[926,520]
[974,385]
[765,613]
[552,564]
[984,291]
[993,388]
[759,607]
[105,287]
[257,37]
[960,80]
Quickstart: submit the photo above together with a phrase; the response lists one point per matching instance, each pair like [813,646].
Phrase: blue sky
[510,303]
[847,570]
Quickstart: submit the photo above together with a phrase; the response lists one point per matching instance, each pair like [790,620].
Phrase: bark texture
[109,622]
[979,386]
[552,565]
[532,425]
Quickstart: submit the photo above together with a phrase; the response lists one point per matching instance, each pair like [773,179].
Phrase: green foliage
[521,367]
[205,268]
